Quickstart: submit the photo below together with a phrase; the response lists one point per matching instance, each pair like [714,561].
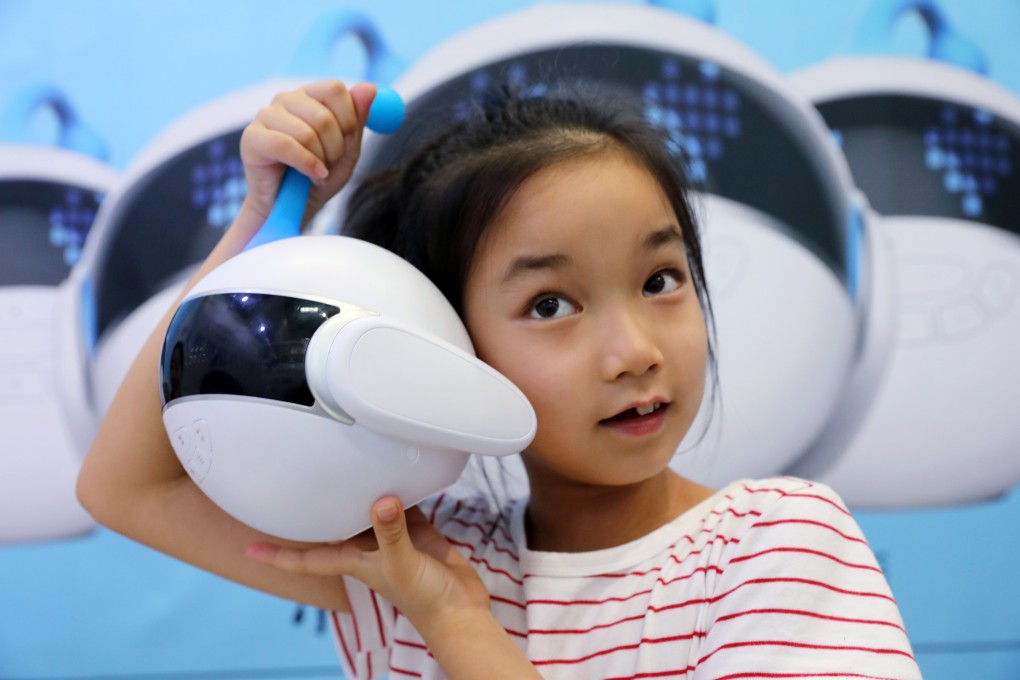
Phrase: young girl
[560,229]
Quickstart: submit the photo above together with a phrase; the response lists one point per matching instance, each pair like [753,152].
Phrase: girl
[560,229]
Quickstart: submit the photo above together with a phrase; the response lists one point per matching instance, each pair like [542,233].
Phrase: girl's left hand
[409,563]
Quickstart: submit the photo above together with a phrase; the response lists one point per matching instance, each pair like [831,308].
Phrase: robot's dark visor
[44,225]
[247,344]
[167,221]
[919,156]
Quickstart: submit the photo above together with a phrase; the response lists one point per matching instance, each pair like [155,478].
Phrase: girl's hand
[316,130]
[409,563]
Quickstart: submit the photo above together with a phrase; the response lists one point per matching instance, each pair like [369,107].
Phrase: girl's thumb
[388,522]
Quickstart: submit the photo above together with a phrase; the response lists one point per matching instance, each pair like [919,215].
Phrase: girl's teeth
[645,410]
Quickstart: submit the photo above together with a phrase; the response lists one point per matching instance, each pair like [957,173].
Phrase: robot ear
[407,383]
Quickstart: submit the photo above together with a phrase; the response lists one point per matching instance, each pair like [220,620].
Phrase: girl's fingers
[275,146]
[320,129]
[363,94]
[325,117]
[380,560]
[280,119]
[396,551]
[339,101]
[350,108]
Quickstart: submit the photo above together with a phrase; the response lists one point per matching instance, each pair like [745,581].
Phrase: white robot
[935,146]
[48,201]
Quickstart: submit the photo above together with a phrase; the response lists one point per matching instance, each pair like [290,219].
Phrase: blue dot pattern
[971,156]
[218,185]
[70,221]
[696,111]
[698,115]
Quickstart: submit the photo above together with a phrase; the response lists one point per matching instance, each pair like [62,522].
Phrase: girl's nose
[630,347]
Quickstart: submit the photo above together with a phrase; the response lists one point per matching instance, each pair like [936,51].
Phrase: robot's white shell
[299,472]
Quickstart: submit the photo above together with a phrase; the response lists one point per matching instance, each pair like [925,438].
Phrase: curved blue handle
[313,53]
[73,135]
[284,221]
[945,42]
[698,9]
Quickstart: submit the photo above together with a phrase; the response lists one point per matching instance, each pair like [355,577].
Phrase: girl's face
[580,293]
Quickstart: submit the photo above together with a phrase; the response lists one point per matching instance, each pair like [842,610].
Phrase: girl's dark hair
[434,208]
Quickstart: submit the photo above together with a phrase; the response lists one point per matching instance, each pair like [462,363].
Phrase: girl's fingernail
[321,172]
[259,551]
[387,511]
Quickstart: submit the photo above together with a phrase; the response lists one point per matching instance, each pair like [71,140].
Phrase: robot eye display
[171,220]
[244,344]
[914,155]
[46,223]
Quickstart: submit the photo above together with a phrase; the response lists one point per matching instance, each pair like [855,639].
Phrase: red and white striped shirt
[766,579]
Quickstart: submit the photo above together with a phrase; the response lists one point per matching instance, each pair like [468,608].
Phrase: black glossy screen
[919,156]
[241,343]
[43,226]
[171,220]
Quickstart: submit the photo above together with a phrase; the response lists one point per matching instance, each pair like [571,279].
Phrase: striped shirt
[766,579]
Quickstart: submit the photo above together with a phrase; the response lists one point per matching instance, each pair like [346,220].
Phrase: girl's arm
[131,481]
[420,573]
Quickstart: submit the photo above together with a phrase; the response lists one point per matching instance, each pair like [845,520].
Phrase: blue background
[102,606]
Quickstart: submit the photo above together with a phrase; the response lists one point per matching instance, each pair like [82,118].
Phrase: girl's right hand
[315,129]
[403,558]
[412,565]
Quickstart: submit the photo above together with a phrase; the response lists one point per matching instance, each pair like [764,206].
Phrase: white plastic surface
[941,426]
[394,379]
[786,339]
[860,76]
[51,164]
[875,341]
[297,472]
[300,475]
[39,462]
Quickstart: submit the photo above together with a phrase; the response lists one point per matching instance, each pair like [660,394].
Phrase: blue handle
[284,221]
[313,53]
[73,134]
[945,42]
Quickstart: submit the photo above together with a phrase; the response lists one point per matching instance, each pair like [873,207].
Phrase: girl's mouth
[637,414]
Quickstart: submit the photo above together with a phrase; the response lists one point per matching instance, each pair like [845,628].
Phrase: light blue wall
[102,606]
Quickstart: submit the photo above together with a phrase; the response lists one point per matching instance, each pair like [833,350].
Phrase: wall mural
[896,124]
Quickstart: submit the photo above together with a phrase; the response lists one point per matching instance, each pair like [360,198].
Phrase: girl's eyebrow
[530,263]
[664,237]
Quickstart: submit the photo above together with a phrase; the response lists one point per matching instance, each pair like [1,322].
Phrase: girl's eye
[662,282]
[551,307]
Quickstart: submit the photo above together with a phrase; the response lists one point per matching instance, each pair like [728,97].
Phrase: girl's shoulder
[789,493]
[765,506]
[784,514]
